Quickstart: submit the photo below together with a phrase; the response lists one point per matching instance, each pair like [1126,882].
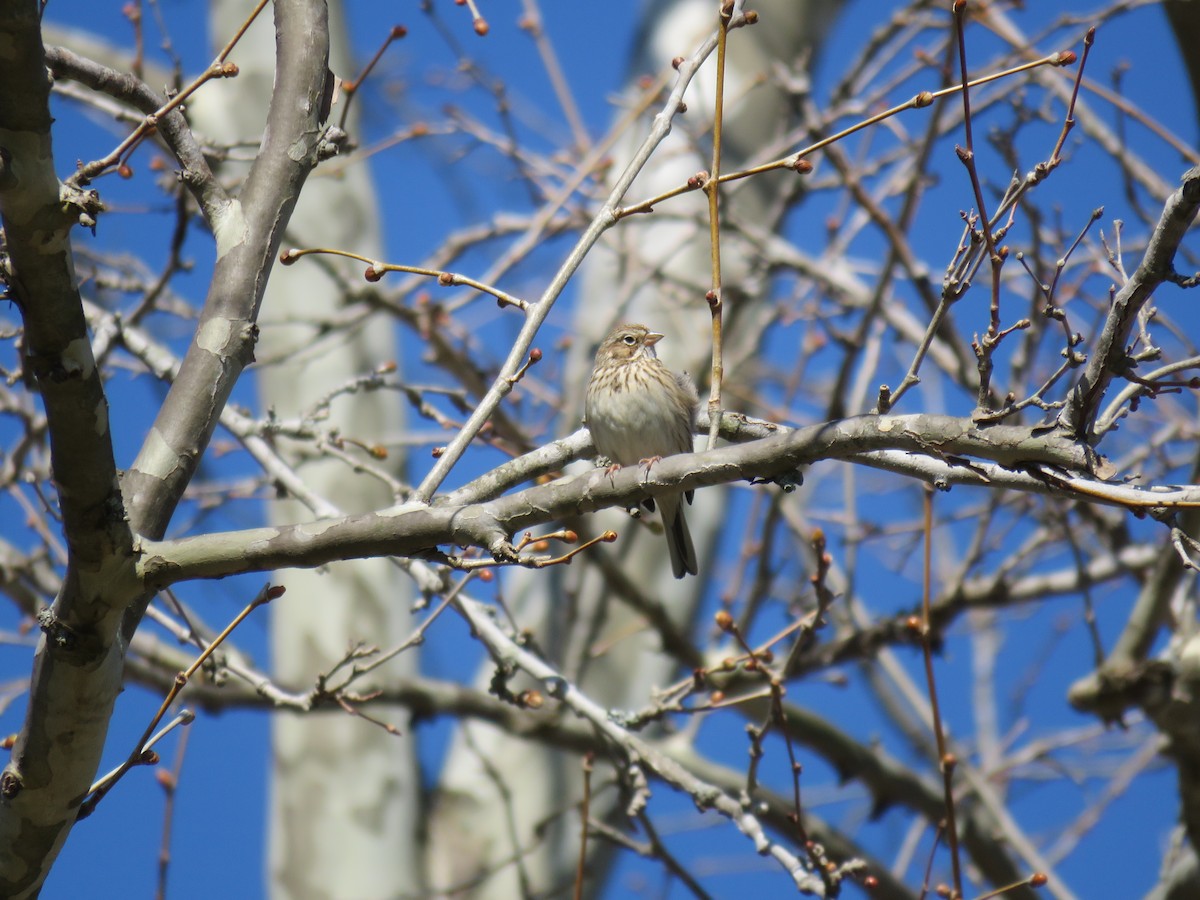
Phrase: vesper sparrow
[638,410]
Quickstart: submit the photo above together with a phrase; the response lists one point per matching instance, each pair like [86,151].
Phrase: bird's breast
[632,424]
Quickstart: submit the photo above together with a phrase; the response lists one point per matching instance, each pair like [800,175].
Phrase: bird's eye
[629,339]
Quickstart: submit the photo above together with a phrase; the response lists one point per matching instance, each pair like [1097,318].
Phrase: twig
[711,189]
[138,756]
[946,760]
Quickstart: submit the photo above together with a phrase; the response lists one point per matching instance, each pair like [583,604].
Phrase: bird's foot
[649,461]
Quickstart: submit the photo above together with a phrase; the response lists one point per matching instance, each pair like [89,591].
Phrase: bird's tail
[679,539]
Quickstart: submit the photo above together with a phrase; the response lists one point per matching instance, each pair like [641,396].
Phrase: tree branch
[248,235]
[1110,358]
[414,529]
[77,668]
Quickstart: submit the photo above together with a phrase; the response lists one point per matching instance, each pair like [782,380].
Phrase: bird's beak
[653,338]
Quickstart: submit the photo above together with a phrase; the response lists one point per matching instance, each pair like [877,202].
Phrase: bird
[639,411]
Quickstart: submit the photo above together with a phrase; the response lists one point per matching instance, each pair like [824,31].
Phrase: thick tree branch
[415,529]
[77,668]
[248,235]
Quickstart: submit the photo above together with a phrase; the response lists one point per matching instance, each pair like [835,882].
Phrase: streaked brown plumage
[638,410]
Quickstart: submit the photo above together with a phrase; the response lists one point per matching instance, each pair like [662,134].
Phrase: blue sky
[218,843]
